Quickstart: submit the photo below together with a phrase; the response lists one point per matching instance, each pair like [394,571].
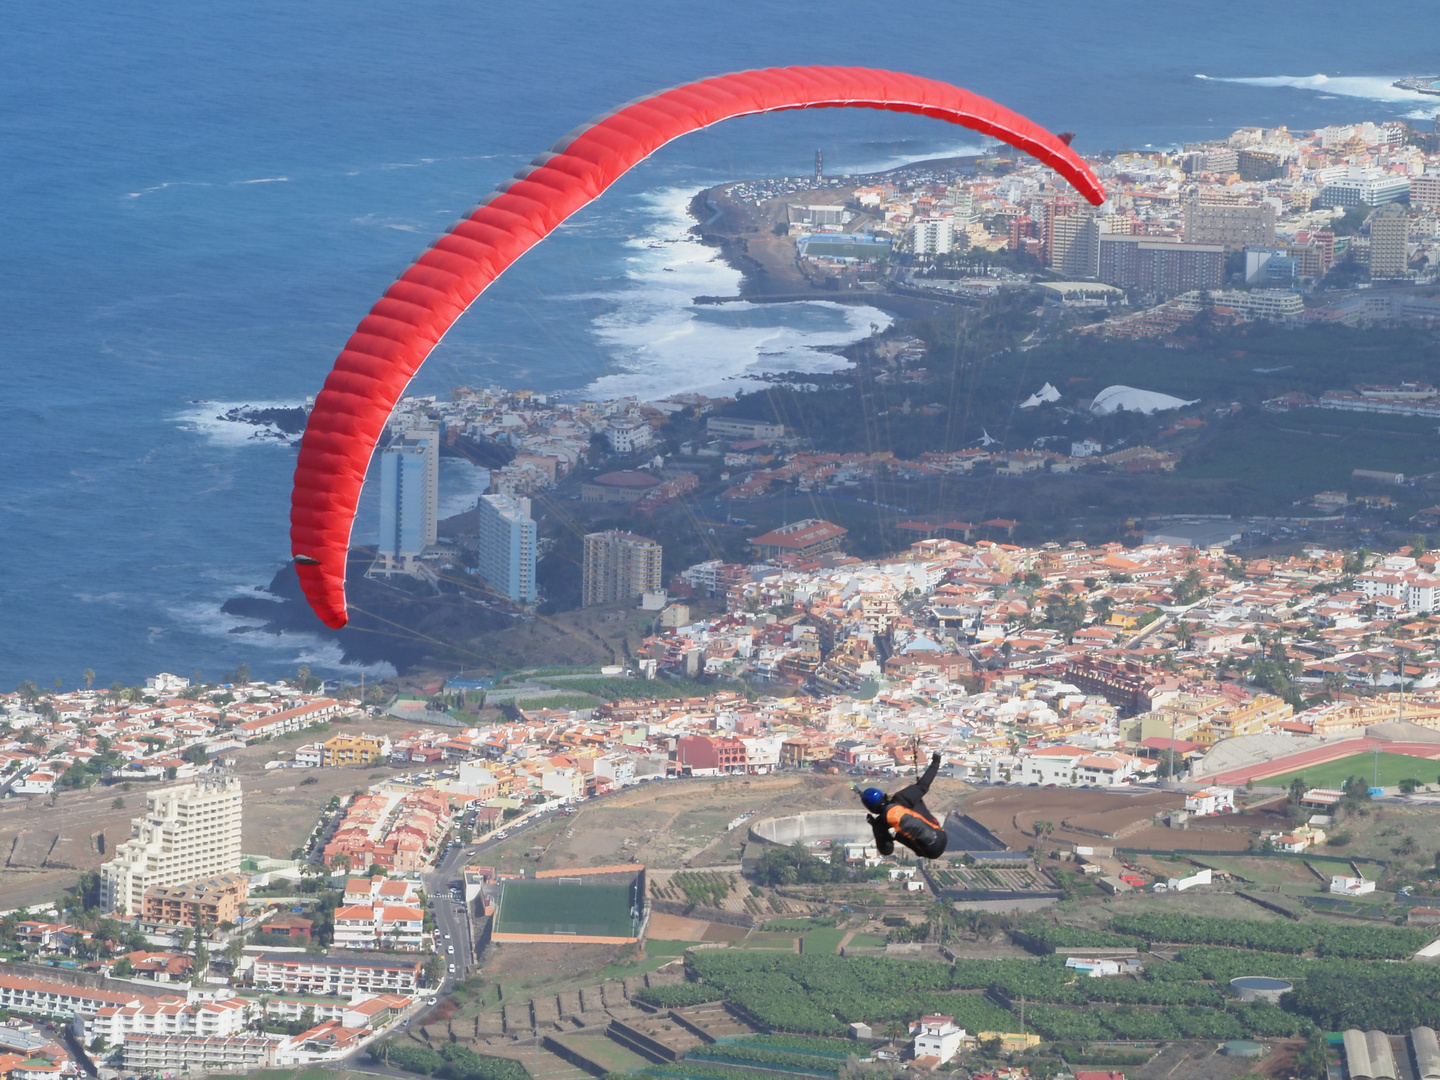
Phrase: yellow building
[1252,718]
[1010,1041]
[355,750]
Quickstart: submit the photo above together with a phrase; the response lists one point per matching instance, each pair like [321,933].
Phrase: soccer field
[1331,774]
[545,907]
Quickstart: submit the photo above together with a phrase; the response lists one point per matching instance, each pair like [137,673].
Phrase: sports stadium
[602,905]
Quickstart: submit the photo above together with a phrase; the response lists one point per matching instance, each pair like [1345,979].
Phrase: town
[1198,689]
[1188,772]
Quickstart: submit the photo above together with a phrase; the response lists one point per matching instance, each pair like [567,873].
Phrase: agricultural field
[1187,997]
[977,878]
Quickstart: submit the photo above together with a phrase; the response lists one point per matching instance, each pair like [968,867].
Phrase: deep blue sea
[198,202]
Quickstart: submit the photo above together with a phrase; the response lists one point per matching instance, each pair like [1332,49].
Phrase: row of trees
[1355,942]
[794,865]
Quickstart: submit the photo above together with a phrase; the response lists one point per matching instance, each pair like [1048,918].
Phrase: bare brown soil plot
[45,843]
[1079,816]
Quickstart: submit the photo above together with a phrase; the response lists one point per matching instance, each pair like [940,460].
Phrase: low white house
[937,1036]
[38,782]
[1180,884]
[309,756]
[1351,886]
[1210,801]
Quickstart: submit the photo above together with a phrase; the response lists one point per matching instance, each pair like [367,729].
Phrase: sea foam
[1368,87]
[661,342]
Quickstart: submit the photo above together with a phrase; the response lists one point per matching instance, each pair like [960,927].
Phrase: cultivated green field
[550,907]
[1393,769]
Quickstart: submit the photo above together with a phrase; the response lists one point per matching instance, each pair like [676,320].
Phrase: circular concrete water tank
[1242,1048]
[849,826]
[1259,988]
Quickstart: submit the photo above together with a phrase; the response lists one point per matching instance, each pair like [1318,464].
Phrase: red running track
[1319,756]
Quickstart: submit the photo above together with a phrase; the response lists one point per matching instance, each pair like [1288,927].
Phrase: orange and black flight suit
[906,818]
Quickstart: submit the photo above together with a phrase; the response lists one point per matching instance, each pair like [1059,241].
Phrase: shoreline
[730,228]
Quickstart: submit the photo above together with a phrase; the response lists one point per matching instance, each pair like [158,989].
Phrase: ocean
[200,202]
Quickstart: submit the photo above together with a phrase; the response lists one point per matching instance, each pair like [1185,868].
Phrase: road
[450,918]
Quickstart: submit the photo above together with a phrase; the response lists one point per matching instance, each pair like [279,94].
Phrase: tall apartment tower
[618,566]
[1075,245]
[506,546]
[1389,237]
[407,511]
[1055,209]
[428,435]
[188,833]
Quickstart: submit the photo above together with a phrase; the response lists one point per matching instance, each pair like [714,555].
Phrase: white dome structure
[1114,398]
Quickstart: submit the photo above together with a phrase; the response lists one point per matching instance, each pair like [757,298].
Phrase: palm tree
[1042,830]
[304,673]
[896,1030]
[89,676]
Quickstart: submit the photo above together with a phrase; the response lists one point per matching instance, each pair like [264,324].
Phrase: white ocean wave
[461,485]
[167,184]
[1368,87]
[663,343]
[322,654]
[225,423]
[902,157]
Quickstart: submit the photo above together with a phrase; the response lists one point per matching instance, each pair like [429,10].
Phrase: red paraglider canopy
[393,341]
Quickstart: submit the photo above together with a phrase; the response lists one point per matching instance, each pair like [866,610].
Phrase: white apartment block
[197,1055]
[205,1019]
[379,926]
[1418,591]
[931,236]
[1069,766]
[187,833]
[619,769]
[300,973]
[938,1037]
[627,434]
[39,997]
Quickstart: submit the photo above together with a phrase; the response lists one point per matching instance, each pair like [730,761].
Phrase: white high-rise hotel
[505,546]
[188,833]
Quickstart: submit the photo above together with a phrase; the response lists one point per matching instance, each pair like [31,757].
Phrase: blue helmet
[873,798]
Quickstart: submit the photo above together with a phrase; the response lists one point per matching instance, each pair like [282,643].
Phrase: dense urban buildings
[187,834]
[1232,224]
[619,566]
[506,546]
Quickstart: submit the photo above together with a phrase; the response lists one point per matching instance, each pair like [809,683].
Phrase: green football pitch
[1332,774]
[553,907]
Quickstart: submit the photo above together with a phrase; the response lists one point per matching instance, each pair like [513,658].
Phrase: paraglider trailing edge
[393,340]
